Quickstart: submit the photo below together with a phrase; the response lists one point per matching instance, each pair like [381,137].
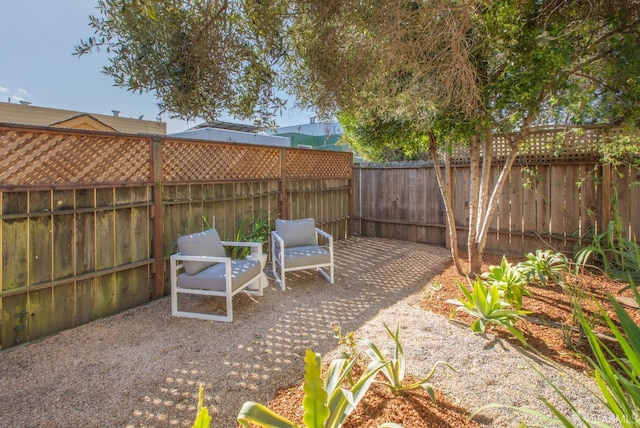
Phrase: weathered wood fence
[556,192]
[88,219]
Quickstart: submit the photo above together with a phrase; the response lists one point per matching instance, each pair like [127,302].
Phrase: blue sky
[37,39]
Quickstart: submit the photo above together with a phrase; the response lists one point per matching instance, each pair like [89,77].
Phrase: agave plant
[326,403]
[544,266]
[486,304]
[509,280]
[394,369]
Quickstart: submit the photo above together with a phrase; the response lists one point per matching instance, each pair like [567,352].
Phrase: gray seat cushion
[297,233]
[306,256]
[205,243]
[212,278]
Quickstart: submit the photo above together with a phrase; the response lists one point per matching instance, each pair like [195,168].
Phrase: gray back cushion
[205,243]
[297,233]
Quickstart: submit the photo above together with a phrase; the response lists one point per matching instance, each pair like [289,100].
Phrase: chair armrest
[241,244]
[183,257]
[277,238]
[325,234]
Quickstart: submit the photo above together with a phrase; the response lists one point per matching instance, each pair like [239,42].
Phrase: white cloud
[3,90]
[24,92]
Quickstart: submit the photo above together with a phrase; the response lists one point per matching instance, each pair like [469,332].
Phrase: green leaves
[326,402]
[394,369]
[544,266]
[618,378]
[486,304]
[203,419]
[315,397]
[509,281]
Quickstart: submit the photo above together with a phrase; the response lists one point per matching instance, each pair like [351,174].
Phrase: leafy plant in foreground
[617,376]
[394,369]
[544,266]
[486,304]
[509,280]
[326,403]
[203,419]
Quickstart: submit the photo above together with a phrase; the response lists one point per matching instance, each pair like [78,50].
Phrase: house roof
[229,126]
[84,121]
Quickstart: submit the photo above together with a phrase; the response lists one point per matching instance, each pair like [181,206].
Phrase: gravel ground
[142,367]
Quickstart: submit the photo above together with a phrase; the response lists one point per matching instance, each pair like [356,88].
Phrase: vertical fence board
[64,314]
[620,182]
[15,320]
[15,252]
[588,200]
[123,290]
[40,313]
[105,246]
[141,242]
[123,236]
[40,249]
[85,243]
[516,211]
[572,206]
[63,239]
[557,198]
[85,301]
[543,201]
[105,295]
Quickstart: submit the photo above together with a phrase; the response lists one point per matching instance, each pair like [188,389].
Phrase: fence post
[283,183]
[157,219]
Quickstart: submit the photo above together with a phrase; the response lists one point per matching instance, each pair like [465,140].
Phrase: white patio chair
[294,246]
[207,271]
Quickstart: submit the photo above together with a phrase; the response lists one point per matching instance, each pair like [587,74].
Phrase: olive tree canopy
[405,76]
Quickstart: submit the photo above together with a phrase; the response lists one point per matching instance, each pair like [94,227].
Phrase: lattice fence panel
[554,144]
[30,158]
[195,161]
[303,163]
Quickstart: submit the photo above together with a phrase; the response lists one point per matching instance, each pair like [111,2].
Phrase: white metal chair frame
[278,264]
[176,263]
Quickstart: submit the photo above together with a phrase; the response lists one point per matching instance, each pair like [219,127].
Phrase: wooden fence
[550,199]
[88,219]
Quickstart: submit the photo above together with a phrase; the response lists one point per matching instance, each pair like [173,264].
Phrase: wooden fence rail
[88,219]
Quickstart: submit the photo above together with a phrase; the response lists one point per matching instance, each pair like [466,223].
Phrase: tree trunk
[448,202]
[475,257]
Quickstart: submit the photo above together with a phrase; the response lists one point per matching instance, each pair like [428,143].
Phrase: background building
[315,134]
[27,114]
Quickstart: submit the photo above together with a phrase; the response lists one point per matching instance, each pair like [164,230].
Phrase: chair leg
[174,290]
[229,298]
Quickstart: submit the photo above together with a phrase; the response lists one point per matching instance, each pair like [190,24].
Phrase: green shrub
[257,230]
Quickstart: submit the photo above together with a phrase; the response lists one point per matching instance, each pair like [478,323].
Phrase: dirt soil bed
[142,367]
